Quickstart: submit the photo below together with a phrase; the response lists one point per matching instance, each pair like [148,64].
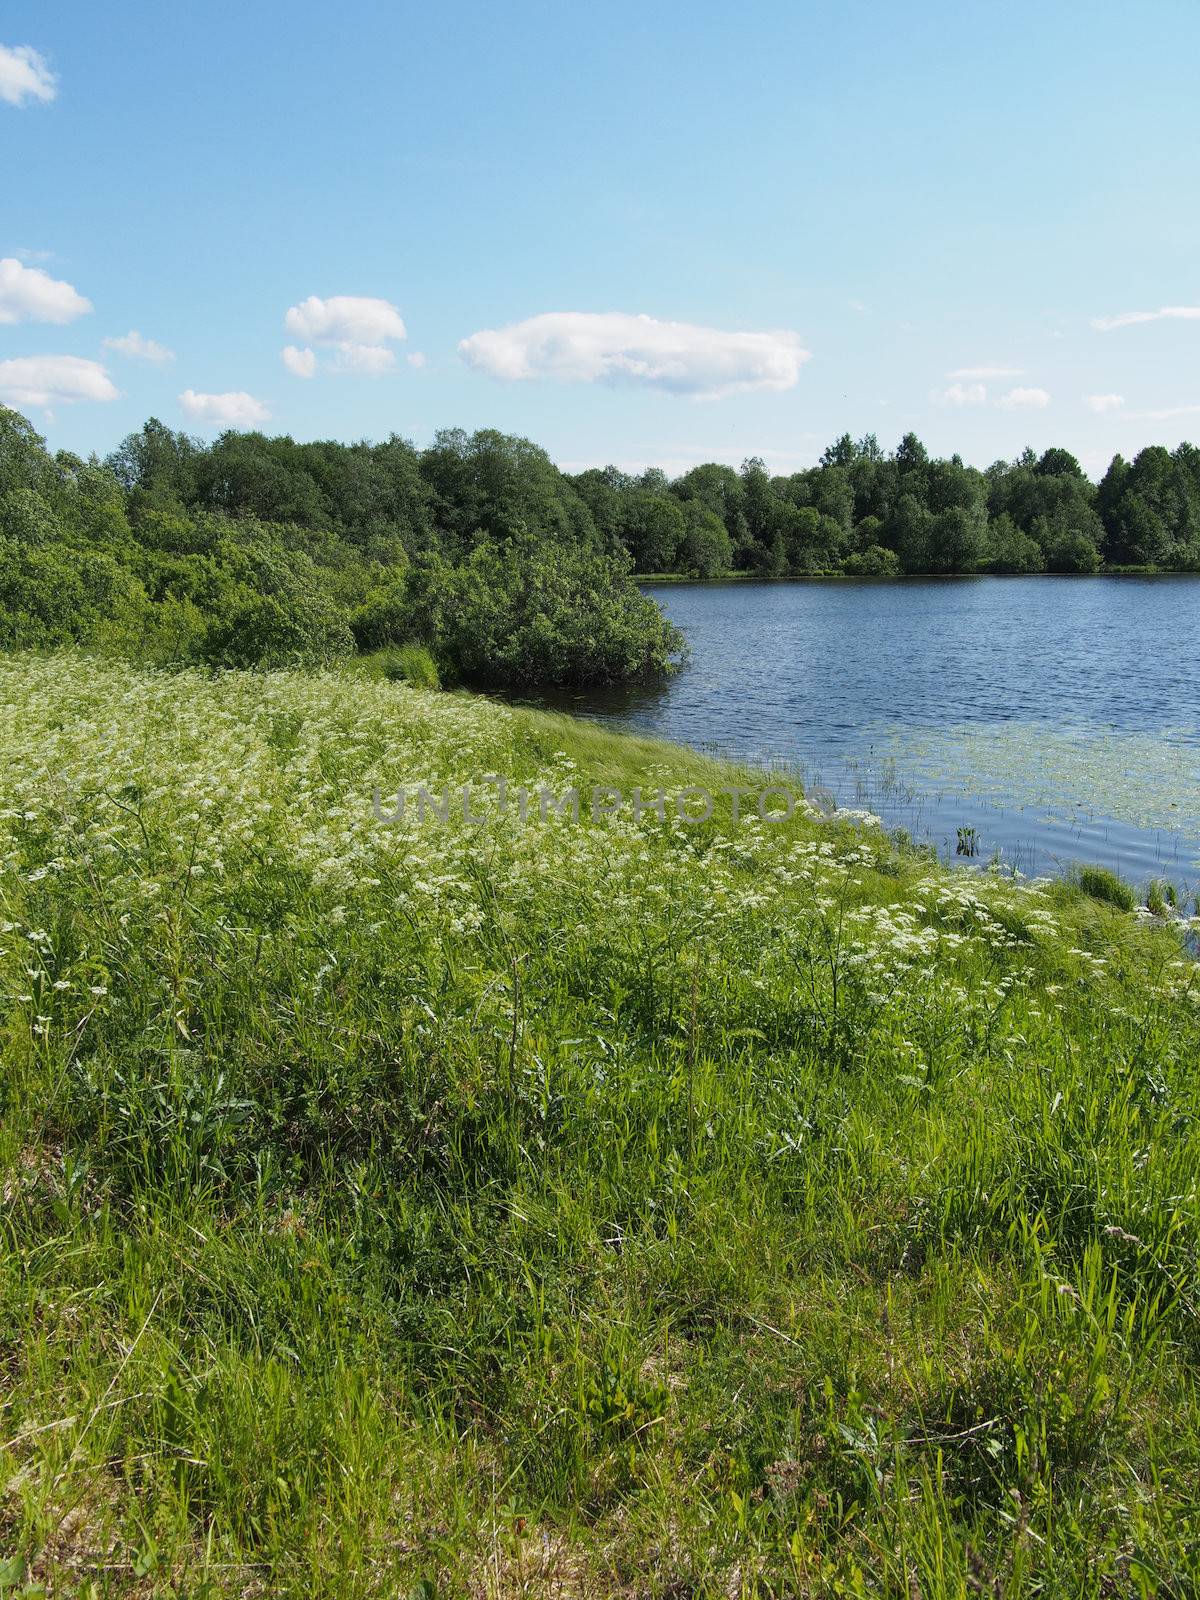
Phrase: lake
[1058,717]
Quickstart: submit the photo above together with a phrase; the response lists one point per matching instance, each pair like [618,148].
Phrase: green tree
[652,529]
[705,549]
[157,465]
[909,532]
[1007,549]
[493,485]
[1066,549]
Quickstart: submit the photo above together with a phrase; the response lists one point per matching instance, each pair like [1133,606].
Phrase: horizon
[669,243]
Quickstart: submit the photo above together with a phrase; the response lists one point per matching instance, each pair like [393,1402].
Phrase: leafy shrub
[172,633]
[265,630]
[874,562]
[523,613]
[50,594]
[383,619]
[1070,551]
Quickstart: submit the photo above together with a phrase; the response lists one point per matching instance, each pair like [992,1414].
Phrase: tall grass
[402,663]
[1103,884]
[563,1208]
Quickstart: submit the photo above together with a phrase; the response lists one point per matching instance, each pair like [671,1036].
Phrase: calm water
[1059,717]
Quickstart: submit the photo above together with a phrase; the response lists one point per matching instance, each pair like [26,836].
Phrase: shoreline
[903,577]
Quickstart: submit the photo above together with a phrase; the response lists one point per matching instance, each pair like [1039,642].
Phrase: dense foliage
[865,512]
[566,1207]
[261,551]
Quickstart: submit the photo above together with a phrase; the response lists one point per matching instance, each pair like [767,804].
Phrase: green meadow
[559,1207]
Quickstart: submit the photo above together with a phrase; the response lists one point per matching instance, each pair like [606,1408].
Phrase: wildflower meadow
[577,1202]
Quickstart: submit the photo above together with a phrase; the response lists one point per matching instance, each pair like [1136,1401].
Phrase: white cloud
[357,327]
[300,363]
[233,409]
[416,359]
[1126,319]
[132,344]
[27,294]
[975,374]
[346,319]
[24,76]
[53,380]
[1104,402]
[1024,400]
[353,357]
[976,393]
[615,347]
[960,394]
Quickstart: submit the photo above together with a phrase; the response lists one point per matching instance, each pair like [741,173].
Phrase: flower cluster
[144,796]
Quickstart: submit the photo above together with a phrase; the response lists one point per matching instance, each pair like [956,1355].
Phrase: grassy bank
[611,1206]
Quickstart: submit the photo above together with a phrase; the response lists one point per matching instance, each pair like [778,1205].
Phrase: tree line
[863,511]
[254,550]
[859,510]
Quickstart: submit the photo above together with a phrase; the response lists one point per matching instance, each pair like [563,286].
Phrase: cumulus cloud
[233,409]
[353,357]
[346,318]
[300,363]
[960,394]
[358,328]
[416,359]
[27,294]
[978,374]
[1126,319]
[615,347]
[24,76]
[1104,402]
[1024,400]
[132,344]
[53,380]
[976,393]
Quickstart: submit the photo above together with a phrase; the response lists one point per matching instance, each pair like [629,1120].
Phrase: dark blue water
[1058,717]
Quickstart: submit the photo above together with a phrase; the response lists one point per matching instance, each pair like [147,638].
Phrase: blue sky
[835,216]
